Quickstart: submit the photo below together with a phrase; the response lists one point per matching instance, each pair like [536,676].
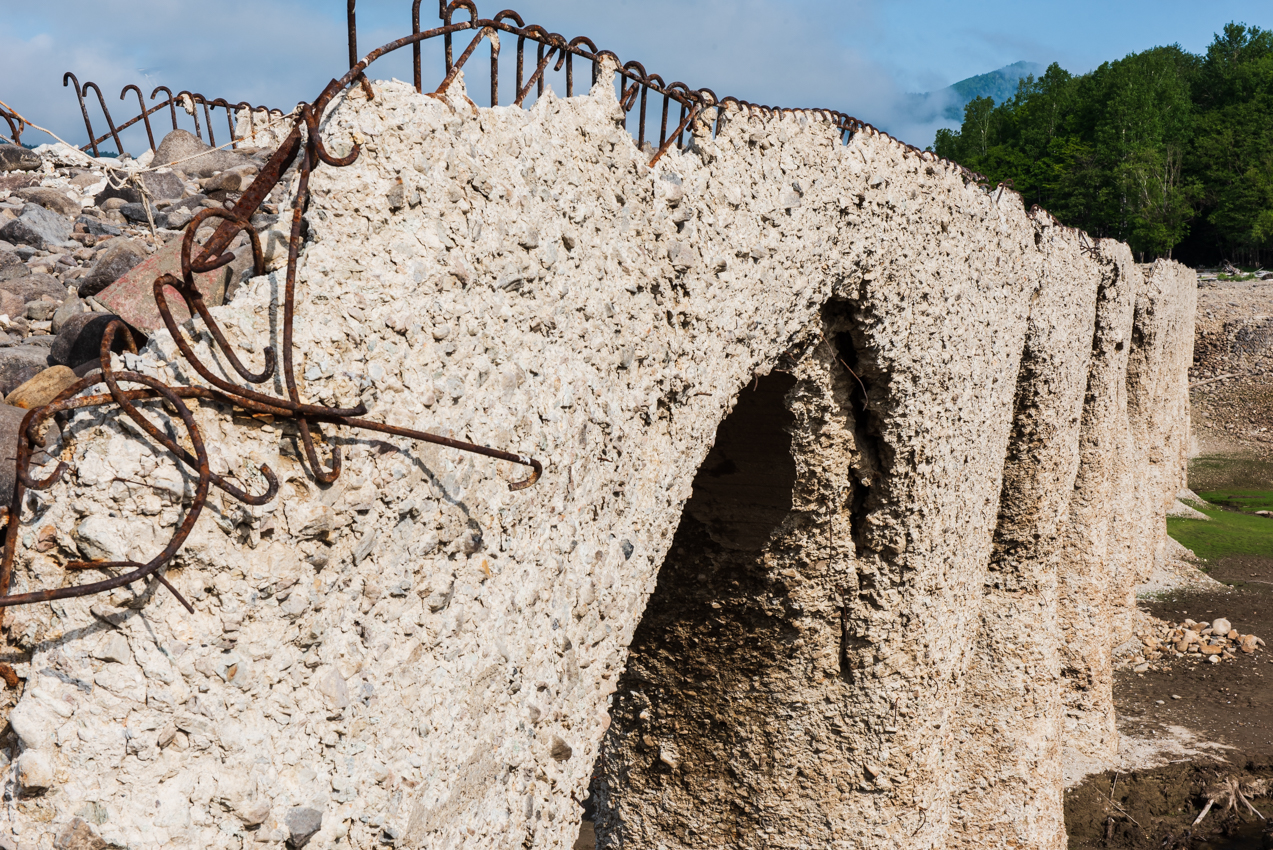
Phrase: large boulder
[18,158]
[19,364]
[50,199]
[38,228]
[189,153]
[118,257]
[33,287]
[11,266]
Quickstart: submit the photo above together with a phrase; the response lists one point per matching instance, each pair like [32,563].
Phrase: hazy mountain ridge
[948,103]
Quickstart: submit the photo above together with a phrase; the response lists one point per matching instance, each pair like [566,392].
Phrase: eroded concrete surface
[886,600]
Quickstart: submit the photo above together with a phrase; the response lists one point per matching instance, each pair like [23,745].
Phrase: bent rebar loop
[172,104]
[145,115]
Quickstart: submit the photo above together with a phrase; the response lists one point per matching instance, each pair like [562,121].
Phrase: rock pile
[71,226]
[1214,642]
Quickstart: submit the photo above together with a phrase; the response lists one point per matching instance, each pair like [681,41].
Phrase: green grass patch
[1240,500]
[1229,532]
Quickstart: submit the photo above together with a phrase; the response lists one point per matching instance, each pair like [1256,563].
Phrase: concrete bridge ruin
[850,469]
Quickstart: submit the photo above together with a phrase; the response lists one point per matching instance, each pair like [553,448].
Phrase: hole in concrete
[703,640]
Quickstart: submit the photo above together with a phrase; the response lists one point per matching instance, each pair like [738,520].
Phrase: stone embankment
[851,468]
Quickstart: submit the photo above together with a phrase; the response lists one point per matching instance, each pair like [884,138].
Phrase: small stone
[1221,626]
[72,306]
[1176,696]
[1233,634]
[332,686]
[117,258]
[560,751]
[1141,668]
[78,835]
[42,389]
[1212,650]
[35,770]
[113,650]
[1161,701]
[137,213]
[302,824]
[18,158]
[253,812]
[97,227]
[1214,659]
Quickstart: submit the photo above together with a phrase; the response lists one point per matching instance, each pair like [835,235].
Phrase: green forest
[1169,151]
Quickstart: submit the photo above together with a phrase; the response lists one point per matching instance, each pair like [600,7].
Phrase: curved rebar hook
[224,104]
[484,32]
[145,116]
[571,49]
[79,95]
[172,106]
[449,13]
[114,134]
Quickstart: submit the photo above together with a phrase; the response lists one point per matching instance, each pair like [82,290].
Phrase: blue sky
[859,56]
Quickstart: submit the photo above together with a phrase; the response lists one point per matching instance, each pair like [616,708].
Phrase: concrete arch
[423,657]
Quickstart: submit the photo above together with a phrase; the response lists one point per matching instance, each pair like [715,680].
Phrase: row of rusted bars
[301,152]
[185,100]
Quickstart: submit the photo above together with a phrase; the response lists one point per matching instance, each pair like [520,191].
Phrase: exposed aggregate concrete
[987,424]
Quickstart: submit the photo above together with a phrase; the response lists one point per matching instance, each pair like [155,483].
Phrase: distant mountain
[949,103]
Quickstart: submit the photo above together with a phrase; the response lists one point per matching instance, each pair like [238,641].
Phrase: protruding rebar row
[185,100]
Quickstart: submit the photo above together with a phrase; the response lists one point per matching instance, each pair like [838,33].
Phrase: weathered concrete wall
[427,659]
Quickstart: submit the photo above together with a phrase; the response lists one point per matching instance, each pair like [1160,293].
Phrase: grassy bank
[1233,528]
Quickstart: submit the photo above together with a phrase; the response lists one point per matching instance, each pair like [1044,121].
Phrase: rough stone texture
[119,256]
[17,158]
[182,148]
[426,658]
[11,266]
[38,228]
[50,199]
[41,389]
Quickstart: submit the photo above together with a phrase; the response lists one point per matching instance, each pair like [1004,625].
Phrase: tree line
[1169,151]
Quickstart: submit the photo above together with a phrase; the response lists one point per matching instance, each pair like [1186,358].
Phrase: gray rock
[1221,627]
[11,266]
[128,194]
[301,824]
[33,287]
[119,256]
[179,145]
[72,306]
[38,228]
[97,227]
[163,185]
[79,340]
[21,363]
[41,311]
[137,213]
[51,199]
[18,158]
